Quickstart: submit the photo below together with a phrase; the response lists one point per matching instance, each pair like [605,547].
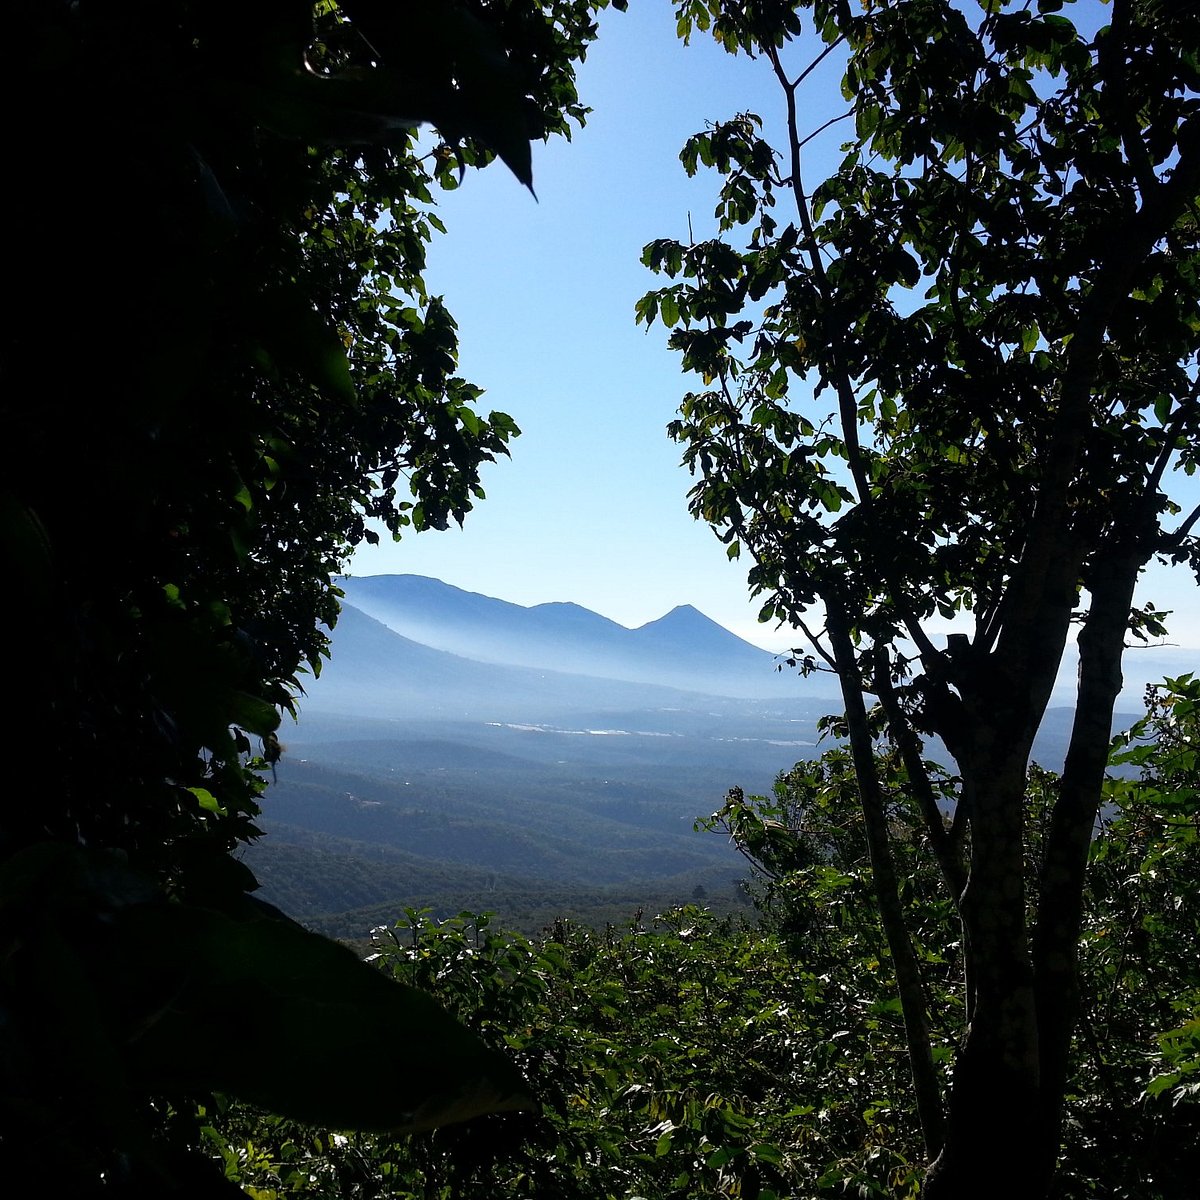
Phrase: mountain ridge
[683,649]
[548,780]
[374,670]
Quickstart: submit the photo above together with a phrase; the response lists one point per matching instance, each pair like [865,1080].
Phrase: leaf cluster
[226,365]
[695,1059]
[941,285]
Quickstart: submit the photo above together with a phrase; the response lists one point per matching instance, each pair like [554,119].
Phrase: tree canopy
[226,366]
[952,381]
[238,365]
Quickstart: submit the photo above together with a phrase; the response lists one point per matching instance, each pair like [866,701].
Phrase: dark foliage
[221,362]
[954,381]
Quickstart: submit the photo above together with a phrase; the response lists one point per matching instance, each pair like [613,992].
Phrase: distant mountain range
[453,738]
[460,749]
[683,650]
[410,647]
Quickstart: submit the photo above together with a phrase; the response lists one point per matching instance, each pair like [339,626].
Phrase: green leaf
[338,1044]
[242,496]
[646,309]
[252,713]
[777,385]
[470,420]
[207,801]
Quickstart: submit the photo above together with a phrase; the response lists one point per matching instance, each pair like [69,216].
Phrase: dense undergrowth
[698,1055]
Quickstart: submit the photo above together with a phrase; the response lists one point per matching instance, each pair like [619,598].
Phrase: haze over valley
[458,751]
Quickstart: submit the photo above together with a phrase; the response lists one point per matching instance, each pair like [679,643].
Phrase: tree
[997,289]
[225,365]
[1131,1100]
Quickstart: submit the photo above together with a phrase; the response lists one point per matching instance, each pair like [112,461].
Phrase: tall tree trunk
[887,892]
[993,1117]
[1060,904]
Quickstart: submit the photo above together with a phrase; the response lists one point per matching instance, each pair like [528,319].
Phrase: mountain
[457,748]
[414,772]
[684,649]
[384,699]
[377,672]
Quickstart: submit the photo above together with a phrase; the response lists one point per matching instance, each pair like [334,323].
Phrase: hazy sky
[591,507]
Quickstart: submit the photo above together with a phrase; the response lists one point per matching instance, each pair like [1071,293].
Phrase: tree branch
[816,62]
[883,874]
[1064,860]
[1048,551]
[1176,539]
[847,404]
[944,849]
[816,645]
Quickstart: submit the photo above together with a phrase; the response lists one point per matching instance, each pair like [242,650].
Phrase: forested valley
[944,404]
[686,1052]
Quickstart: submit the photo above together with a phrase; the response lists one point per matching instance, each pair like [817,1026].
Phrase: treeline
[343,889]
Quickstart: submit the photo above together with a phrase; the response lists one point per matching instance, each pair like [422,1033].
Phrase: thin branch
[945,851]
[816,62]
[929,652]
[847,405]
[814,641]
[1171,432]
[1176,539]
[821,128]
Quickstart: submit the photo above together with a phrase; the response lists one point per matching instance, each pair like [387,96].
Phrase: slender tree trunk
[1072,823]
[887,893]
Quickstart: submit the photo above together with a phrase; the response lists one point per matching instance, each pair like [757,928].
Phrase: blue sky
[591,507]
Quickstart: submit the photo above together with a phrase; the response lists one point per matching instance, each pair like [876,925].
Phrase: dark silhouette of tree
[221,362]
[953,380]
